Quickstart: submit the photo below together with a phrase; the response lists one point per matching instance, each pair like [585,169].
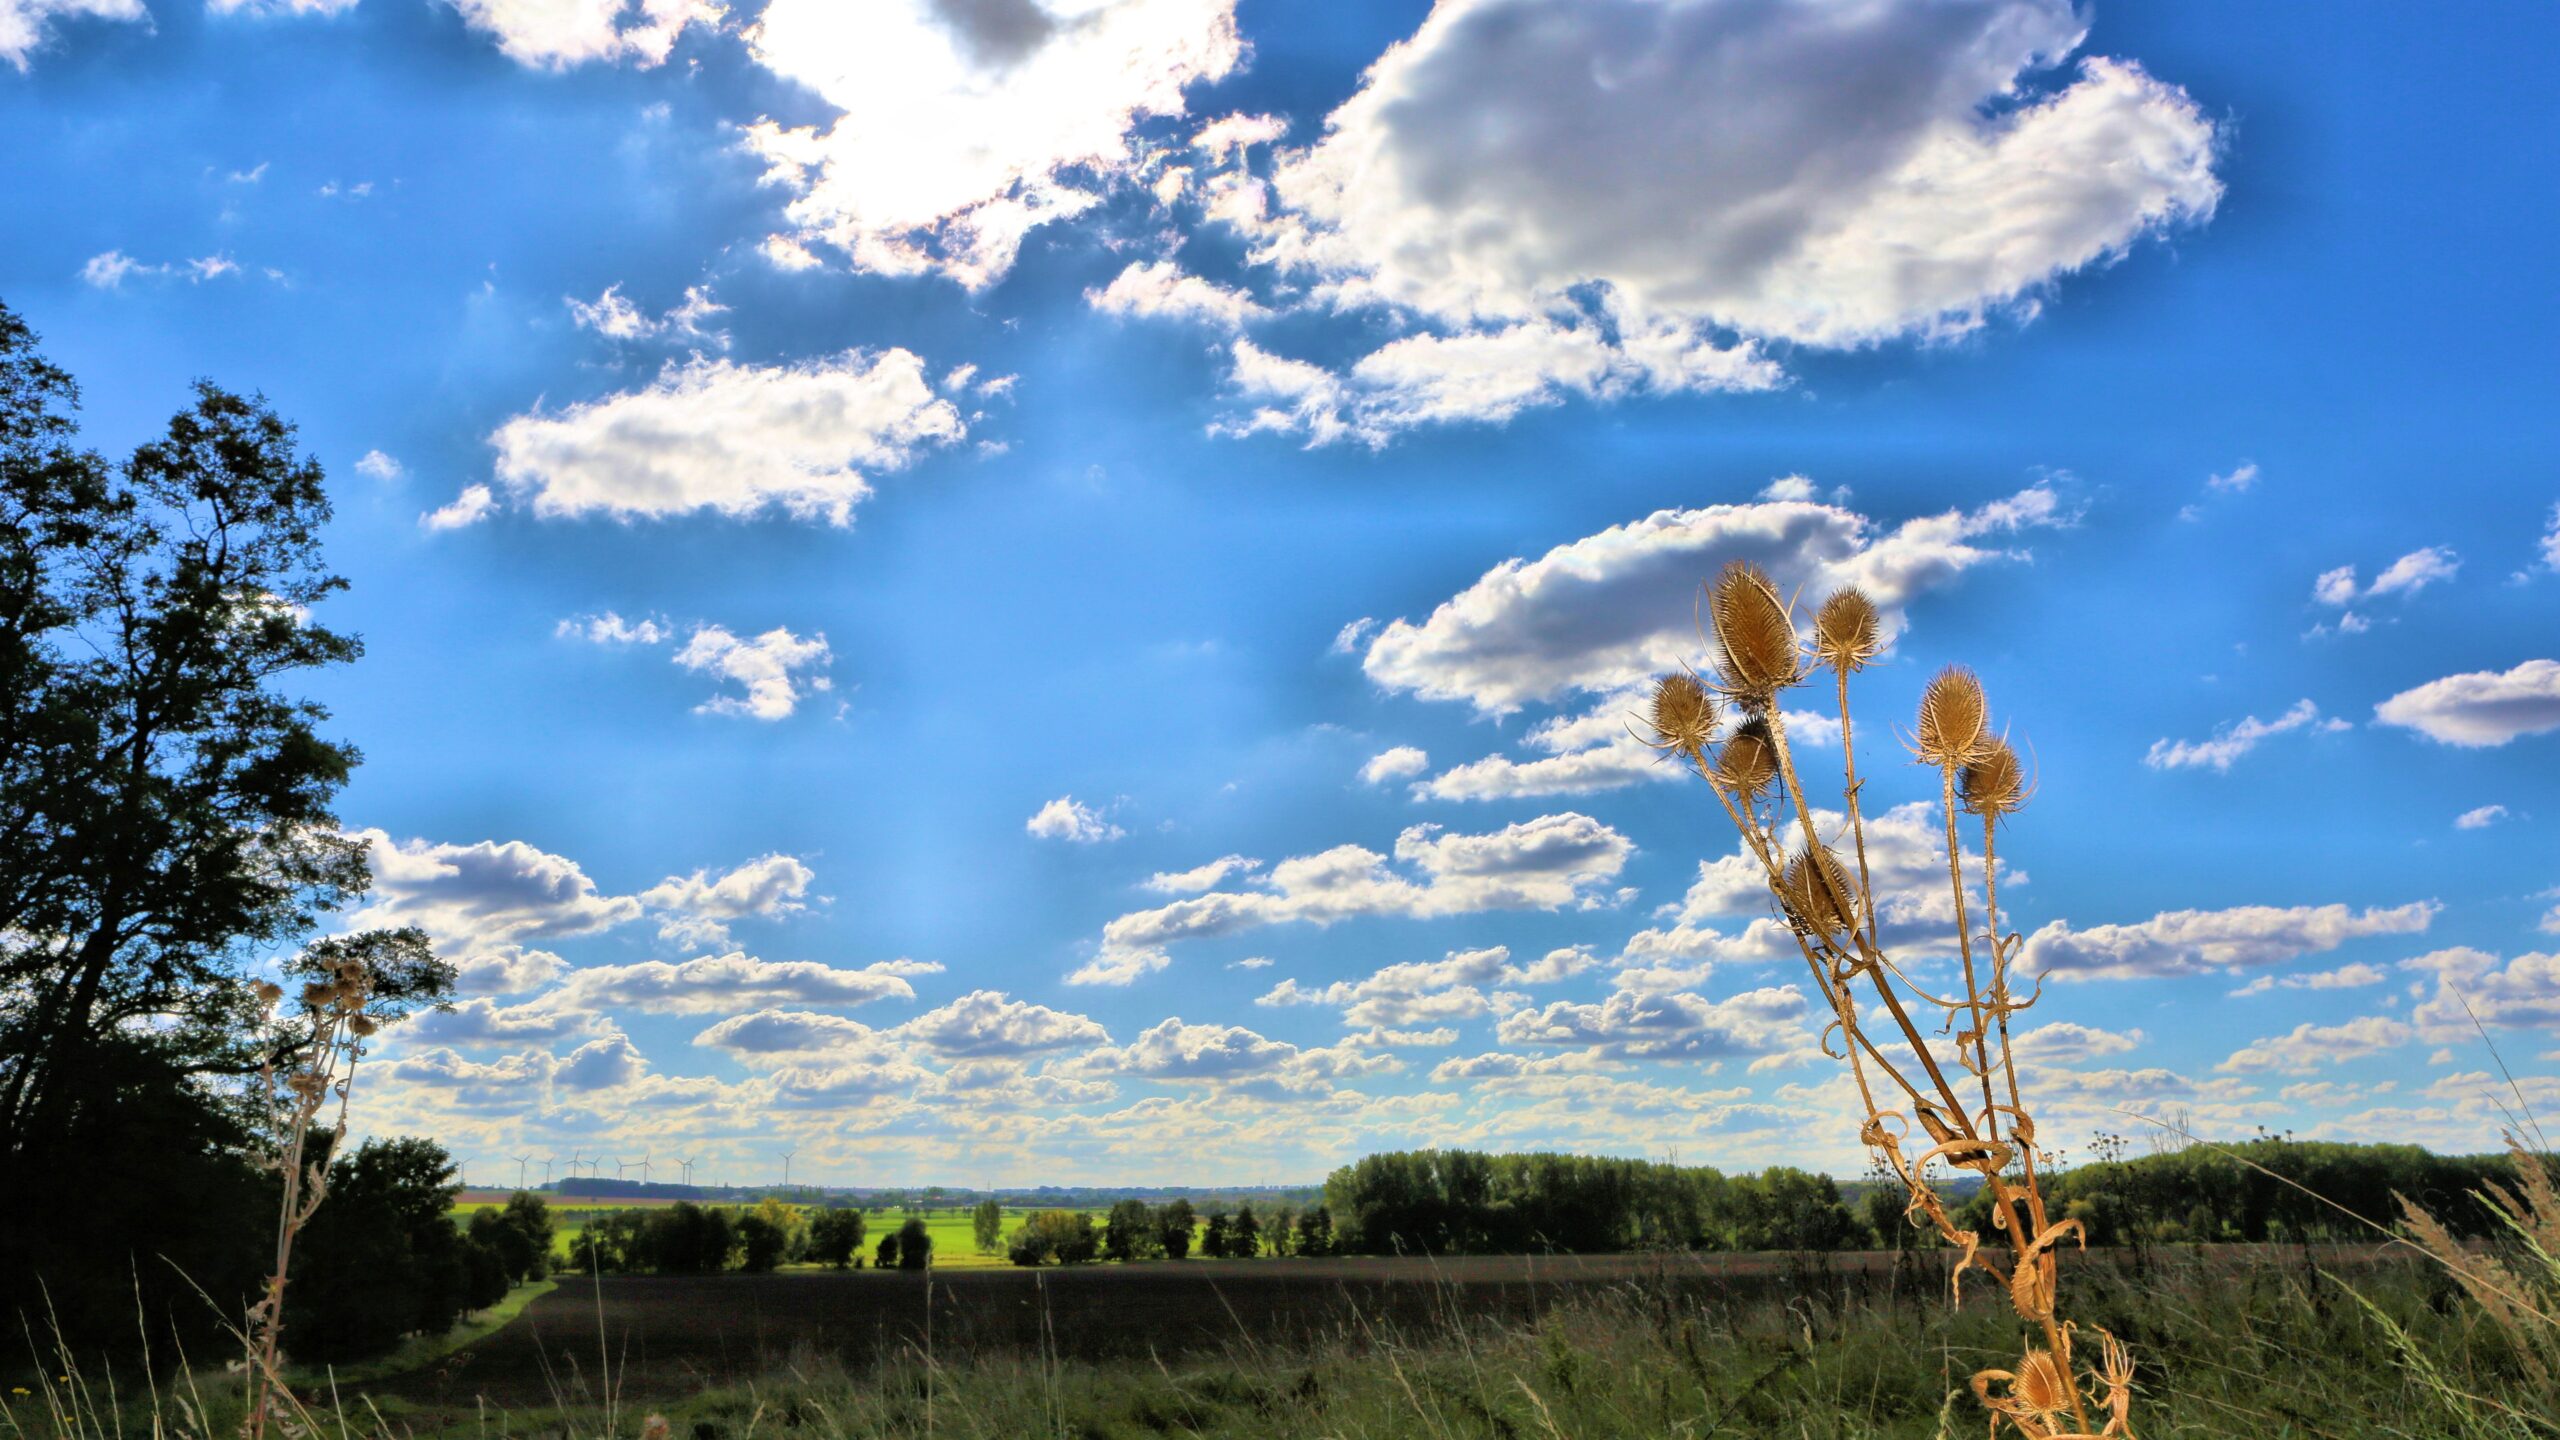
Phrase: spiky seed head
[1817,891]
[361,1024]
[2042,1385]
[1756,634]
[1748,763]
[316,995]
[1847,632]
[268,992]
[1993,783]
[1684,715]
[1953,718]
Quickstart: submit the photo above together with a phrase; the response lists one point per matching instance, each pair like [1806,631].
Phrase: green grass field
[954,1241]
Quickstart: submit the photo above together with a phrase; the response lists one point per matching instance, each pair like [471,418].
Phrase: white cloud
[609,628]
[476,503]
[2520,993]
[1394,764]
[1069,819]
[1581,198]
[2480,818]
[964,124]
[23,23]
[109,269]
[2237,481]
[721,984]
[1430,992]
[2407,575]
[736,439]
[1636,1026]
[1546,863]
[616,318]
[801,1034]
[483,894]
[767,667]
[2307,1047]
[374,465]
[1232,1055]
[2550,546]
[505,970]
[1161,290]
[2066,1042]
[2194,942]
[2480,708]
[987,1023]
[2345,977]
[2233,739]
[278,7]
[1200,877]
[556,34]
[1613,609]
[697,908]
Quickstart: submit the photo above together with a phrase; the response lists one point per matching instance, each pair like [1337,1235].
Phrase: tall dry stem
[2049,1395]
[296,1087]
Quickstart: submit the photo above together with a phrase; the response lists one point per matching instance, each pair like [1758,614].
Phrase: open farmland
[955,1245]
[669,1336]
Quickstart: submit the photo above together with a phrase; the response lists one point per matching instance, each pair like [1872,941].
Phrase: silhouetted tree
[915,1245]
[835,1236]
[1175,1225]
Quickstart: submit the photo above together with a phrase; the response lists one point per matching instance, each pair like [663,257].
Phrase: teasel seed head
[361,1024]
[1748,761]
[2042,1386]
[1756,634]
[268,993]
[1822,907]
[1684,715]
[1953,718]
[1993,783]
[1847,632]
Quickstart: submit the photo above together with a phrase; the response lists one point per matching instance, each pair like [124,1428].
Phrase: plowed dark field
[671,1335]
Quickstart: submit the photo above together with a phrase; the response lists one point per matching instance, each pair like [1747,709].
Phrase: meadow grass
[2278,1347]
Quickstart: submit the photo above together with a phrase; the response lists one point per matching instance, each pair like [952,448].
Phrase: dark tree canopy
[166,820]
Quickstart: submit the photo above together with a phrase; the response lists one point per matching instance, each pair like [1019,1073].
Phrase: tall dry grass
[1729,727]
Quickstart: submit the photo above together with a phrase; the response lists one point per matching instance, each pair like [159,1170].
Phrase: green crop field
[954,1240]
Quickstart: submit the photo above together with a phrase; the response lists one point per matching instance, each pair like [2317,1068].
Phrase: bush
[835,1237]
[915,1246]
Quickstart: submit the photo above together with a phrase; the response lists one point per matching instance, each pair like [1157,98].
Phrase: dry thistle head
[361,1024]
[1817,892]
[1953,719]
[1993,783]
[268,993]
[1748,763]
[1847,632]
[1756,634]
[1684,715]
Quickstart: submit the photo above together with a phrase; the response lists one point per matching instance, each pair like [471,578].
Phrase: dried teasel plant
[300,1081]
[1973,1118]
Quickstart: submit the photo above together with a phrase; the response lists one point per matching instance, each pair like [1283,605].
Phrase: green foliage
[1244,1234]
[1315,1231]
[761,1244]
[1175,1225]
[381,1260]
[835,1236]
[165,817]
[1065,1236]
[915,1246]
[1459,1202]
[1133,1232]
[519,1233]
[2240,1192]
[986,1226]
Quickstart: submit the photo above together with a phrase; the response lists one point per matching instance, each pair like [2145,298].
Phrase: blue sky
[853,514]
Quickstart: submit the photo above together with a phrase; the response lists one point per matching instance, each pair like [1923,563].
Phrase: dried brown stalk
[296,1087]
[1833,917]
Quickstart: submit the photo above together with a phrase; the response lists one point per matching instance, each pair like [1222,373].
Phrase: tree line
[689,1239]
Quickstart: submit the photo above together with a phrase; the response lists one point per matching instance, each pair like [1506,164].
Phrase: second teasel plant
[1956,1104]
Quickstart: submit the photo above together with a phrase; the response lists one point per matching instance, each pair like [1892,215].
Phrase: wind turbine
[521,1162]
[786,1167]
[687,1167]
[546,1174]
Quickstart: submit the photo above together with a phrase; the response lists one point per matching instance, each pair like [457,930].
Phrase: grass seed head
[1748,763]
[1847,632]
[1684,715]
[1993,783]
[1756,634]
[1953,719]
